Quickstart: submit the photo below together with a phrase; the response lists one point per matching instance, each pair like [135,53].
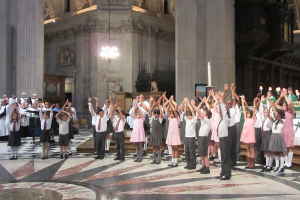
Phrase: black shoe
[187,167]
[117,158]
[61,156]
[101,157]
[97,157]
[139,160]
[106,151]
[223,178]
[153,162]
[66,156]
[170,165]
[201,169]
[268,169]
[12,158]
[175,165]
[206,170]
[122,159]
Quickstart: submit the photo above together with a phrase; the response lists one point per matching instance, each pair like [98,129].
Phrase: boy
[63,119]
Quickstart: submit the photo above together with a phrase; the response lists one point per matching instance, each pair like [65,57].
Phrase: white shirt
[259,116]
[24,117]
[103,125]
[232,119]
[118,127]
[277,129]
[205,127]
[47,121]
[93,114]
[238,114]
[190,127]
[267,124]
[130,120]
[223,126]
[63,126]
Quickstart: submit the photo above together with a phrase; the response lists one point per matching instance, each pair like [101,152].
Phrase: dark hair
[99,110]
[188,113]
[156,111]
[250,112]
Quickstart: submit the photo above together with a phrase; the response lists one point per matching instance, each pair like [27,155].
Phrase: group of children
[211,127]
[32,117]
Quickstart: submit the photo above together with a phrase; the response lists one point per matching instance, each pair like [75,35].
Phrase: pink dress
[215,119]
[248,132]
[288,131]
[173,137]
[138,131]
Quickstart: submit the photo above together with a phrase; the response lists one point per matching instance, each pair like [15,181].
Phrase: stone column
[204,34]
[189,39]
[3,45]
[220,41]
[30,47]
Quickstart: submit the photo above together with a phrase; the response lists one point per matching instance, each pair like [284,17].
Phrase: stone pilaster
[204,34]
[3,45]
[30,47]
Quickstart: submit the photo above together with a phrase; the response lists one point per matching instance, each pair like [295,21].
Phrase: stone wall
[84,35]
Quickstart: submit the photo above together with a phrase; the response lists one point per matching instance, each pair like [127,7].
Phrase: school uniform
[203,137]
[3,126]
[119,137]
[258,135]
[100,135]
[93,114]
[237,121]
[266,134]
[190,142]
[156,136]
[14,138]
[276,143]
[34,122]
[24,131]
[232,133]
[225,144]
[64,130]
[45,127]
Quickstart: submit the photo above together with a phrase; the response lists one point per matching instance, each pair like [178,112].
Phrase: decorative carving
[66,56]
[82,4]
[49,12]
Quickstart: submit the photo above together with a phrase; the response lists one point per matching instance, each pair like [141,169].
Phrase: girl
[63,119]
[277,146]
[288,131]
[156,135]
[46,123]
[173,135]
[14,138]
[266,134]
[203,139]
[248,134]
[138,132]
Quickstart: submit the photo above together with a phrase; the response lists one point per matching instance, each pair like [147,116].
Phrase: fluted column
[30,46]
[3,45]
[204,33]
[220,45]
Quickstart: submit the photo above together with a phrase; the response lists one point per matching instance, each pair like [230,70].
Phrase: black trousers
[232,134]
[100,143]
[94,136]
[226,164]
[190,151]
[257,146]
[238,139]
[119,138]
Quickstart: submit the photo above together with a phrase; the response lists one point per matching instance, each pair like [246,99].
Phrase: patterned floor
[83,178]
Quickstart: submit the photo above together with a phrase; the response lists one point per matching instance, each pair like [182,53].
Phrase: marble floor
[81,177]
